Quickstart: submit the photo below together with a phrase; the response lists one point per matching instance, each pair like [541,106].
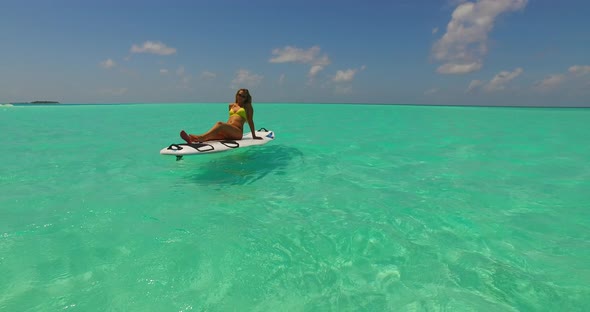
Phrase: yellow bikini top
[240,112]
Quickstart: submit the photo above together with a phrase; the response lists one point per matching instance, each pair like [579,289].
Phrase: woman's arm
[250,115]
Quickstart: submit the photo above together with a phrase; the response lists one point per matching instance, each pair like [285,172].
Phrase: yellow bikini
[240,112]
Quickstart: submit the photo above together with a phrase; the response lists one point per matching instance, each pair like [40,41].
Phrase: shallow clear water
[351,208]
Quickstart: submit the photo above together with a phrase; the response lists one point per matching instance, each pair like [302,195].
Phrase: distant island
[34,102]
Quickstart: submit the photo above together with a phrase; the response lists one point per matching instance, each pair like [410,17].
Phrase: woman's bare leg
[219,131]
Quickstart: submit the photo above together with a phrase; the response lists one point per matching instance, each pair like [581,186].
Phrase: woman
[239,112]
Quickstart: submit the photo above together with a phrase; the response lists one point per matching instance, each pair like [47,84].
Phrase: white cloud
[281,79]
[153,47]
[244,78]
[451,68]
[434,30]
[208,75]
[311,56]
[292,54]
[109,63]
[314,70]
[579,70]
[180,71]
[501,79]
[465,42]
[550,82]
[346,75]
[473,85]
[497,83]
[164,71]
[323,60]
[573,76]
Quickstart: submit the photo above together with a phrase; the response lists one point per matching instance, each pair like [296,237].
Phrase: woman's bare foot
[195,138]
[190,138]
[185,136]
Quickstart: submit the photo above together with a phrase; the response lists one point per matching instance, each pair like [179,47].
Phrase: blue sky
[487,52]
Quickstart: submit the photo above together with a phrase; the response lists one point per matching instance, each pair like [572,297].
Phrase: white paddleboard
[182,149]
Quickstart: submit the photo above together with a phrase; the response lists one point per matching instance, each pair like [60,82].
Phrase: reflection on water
[245,166]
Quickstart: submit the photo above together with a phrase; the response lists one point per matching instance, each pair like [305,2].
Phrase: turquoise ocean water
[351,208]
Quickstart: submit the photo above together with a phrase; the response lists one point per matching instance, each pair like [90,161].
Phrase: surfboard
[207,147]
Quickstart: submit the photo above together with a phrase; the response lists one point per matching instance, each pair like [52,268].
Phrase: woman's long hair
[248,96]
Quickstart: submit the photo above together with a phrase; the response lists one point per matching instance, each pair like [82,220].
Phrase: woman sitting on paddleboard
[239,112]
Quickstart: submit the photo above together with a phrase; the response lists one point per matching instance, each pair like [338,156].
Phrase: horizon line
[297,103]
